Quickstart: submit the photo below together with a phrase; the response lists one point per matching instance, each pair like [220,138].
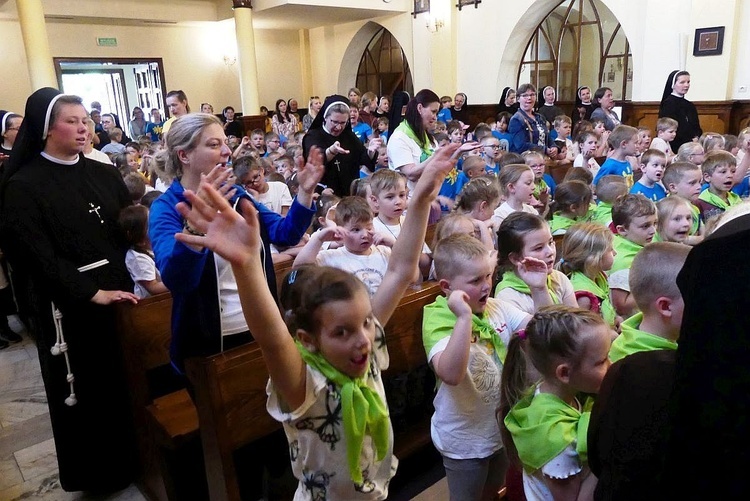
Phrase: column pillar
[306,67]
[248,65]
[36,44]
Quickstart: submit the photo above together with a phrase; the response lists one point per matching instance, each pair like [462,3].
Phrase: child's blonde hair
[631,206]
[675,171]
[687,150]
[510,174]
[561,119]
[620,134]
[474,162]
[665,123]
[354,210]
[479,189]
[386,179]
[583,247]
[449,225]
[712,141]
[717,158]
[652,153]
[654,273]
[529,154]
[665,207]
[453,252]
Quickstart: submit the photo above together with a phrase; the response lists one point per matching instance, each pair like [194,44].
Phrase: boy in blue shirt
[653,164]
[624,141]
[361,129]
[444,115]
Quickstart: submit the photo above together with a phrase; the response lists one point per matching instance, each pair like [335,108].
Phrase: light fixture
[230,60]
[434,23]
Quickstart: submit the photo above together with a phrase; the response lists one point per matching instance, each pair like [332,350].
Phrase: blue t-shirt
[362,131]
[617,168]
[656,193]
[492,170]
[461,180]
[448,188]
[153,130]
[444,115]
[743,188]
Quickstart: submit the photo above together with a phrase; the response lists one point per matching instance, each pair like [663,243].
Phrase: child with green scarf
[572,200]
[325,381]
[634,219]
[523,235]
[546,423]
[465,338]
[653,284]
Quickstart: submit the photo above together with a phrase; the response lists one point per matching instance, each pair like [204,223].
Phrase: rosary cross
[95,208]
[338,165]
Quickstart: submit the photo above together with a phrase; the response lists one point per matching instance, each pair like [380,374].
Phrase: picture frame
[465,3]
[421,6]
[708,41]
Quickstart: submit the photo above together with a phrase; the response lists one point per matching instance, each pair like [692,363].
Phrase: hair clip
[522,334]
[291,277]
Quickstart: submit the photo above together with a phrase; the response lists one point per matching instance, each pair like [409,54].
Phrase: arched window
[580,42]
[383,68]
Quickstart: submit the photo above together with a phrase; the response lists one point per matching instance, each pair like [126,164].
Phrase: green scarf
[632,340]
[598,287]
[715,200]
[560,222]
[696,220]
[542,427]
[539,187]
[512,281]
[626,251]
[602,214]
[424,143]
[362,409]
[438,318]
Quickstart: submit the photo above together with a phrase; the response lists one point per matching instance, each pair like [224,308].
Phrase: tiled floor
[28,465]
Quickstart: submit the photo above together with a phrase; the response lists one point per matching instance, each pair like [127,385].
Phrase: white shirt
[98,156]
[506,210]
[465,425]
[393,229]
[403,150]
[232,319]
[276,197]
[562,289]
[370,269]
[141,268]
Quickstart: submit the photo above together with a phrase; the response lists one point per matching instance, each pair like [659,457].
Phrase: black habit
[58,218]
[688,125]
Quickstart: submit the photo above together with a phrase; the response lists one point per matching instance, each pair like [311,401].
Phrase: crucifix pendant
[95,208]
[338,165]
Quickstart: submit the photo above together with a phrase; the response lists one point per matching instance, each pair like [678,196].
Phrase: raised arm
[408,247]
[237,239]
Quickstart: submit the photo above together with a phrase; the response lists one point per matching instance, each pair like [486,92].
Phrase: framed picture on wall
[421,6]
[464,3]
[708,41]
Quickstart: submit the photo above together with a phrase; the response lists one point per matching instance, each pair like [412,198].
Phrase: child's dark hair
[610,187]
[136,186]
[570,193]
[510,236]
[121,162]
[579,174]
[630,206]
[479,189]
[309,287]
[509,158]
[133,221]
[244,165]
[323,204]
[149,197]
[441,136]
[553,335]
[503,115]
[358,187]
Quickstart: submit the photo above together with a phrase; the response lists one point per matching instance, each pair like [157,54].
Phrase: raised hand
[533,272]
[458,303]
[336,149]
[220,178]
[225,231]
[374,143]
[309,174]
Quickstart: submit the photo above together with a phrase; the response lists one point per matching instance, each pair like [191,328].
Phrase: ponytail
[513,386]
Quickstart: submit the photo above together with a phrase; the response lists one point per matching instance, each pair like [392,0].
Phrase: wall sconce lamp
[434,23]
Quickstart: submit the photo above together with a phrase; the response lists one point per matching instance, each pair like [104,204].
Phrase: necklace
[387,226]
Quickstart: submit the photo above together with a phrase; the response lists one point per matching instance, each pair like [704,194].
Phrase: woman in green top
[587,254]
[545,424]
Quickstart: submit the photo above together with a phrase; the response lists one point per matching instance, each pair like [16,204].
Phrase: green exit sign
[106,42]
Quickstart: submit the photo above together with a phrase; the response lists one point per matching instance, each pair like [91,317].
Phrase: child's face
[539,244]
[689,186]
[608,258]
[644,137]
[475,279]
[563,130]
[257,141]
[358,236]
[744,142]
[483,211]
[132,151]
[273,144]
[537,166]
[284,167]
[382,126]
[491,149]
[346,331]
[456,136]
[589,146]
[444,142]
[640,231]
[677,227]
[668,135]
[630,147]
[132,162]
[599,127]
[447,104]
[722,178]
[654,169]
[382,160]
[255,180]
[523,189]
[353,116]
[587,375]
[502,125]
[475,171]
[392,202]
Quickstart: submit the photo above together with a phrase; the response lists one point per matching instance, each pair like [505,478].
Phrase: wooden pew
[230,394]
[164,415]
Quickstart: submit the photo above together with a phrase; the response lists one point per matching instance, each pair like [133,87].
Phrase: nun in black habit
[60,230]
[344,152]
[674,105]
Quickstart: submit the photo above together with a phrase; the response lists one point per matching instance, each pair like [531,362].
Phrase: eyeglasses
[493,146]
[336,123]
[527,96]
